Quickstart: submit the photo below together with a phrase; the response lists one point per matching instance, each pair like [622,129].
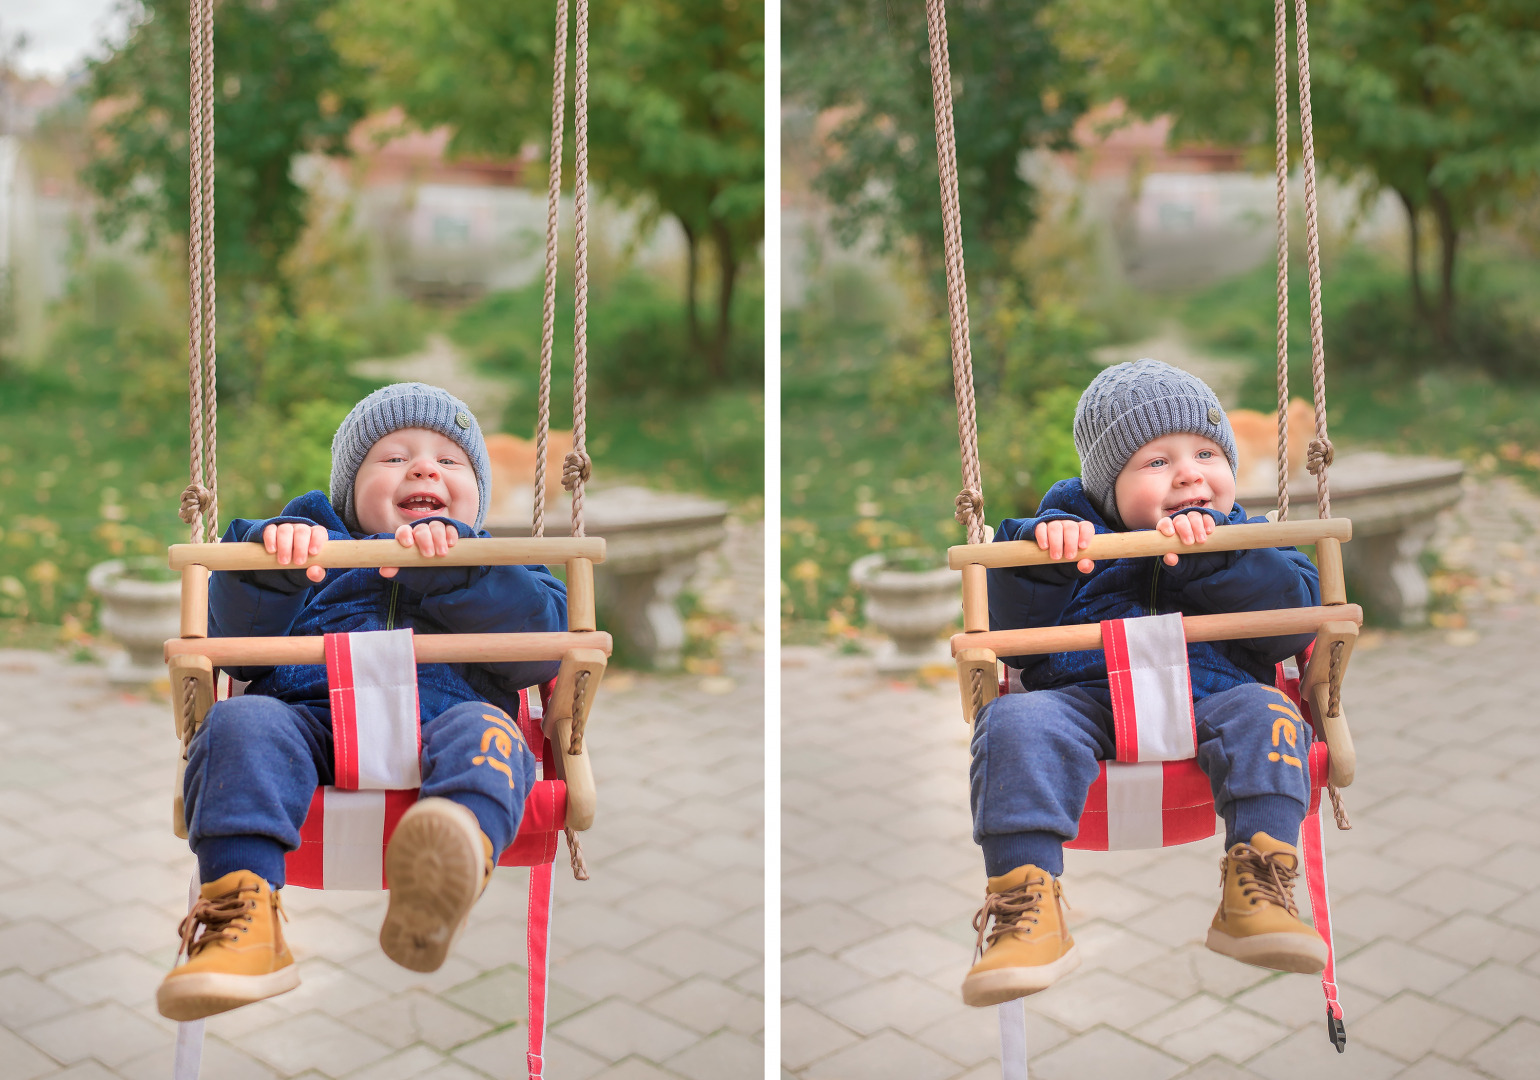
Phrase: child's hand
[1061,539]
[294,544]
[1193,527]
[430,538]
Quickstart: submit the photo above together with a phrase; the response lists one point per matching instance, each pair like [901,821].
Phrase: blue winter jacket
[1204,584]
[438,600]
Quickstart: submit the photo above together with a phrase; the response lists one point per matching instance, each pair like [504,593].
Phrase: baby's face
[1170,474]
[412,474]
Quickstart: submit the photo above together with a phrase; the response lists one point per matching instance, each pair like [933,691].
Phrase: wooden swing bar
[1229,626]
[1136,545]
[349,554]
[430,648]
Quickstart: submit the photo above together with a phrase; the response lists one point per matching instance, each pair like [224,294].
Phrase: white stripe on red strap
[1151,690]
[1134,793]
[353,831]
[377,733]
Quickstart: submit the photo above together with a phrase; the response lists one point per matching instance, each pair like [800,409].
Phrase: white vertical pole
[189,1033]
[1013,1039]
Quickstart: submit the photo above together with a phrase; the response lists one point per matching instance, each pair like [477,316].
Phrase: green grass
[854,479]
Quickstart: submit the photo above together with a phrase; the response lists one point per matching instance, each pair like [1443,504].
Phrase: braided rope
[1320,455]
[196,498]
[210,320]
[577,468]
[200,502]
[1281,159]
[579,717]
[552,220]
[970,502]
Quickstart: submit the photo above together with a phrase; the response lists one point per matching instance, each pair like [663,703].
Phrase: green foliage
[1412,403]
[650,418]
[636,338]
[1437,101]
[281,89]
[1012,91]
[676,108]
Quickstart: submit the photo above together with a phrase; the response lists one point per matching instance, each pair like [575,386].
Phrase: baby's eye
[1204,455]
[447,461]
[1155,463]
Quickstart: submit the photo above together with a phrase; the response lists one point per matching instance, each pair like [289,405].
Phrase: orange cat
[513,464]
[1256,445]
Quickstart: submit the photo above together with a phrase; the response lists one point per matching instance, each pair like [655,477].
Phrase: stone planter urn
[911,607]
[139,613]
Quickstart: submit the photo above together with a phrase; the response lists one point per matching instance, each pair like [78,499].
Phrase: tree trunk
[1449,242]
[727,263]
[691,284]
[1414,248]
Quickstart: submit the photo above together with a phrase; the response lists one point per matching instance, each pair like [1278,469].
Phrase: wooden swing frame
[1335,623]
[582,648]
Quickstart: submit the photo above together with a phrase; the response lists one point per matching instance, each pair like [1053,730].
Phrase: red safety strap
[1315,879]
[542,884]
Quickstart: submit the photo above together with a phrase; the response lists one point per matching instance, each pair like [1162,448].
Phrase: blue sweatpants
[255,763]
[1035,755]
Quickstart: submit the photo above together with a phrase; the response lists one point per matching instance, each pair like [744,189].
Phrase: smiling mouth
[1191,504]
[421,505]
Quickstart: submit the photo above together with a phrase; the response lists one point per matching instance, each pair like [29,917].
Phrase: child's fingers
[317,540]
[270,539]
[404,536]
[1085,566]
[389,571]
[1041,533]
[315,573]
[436,532]
[1087,530]
[1171,558]
[1165,527]
[283,543]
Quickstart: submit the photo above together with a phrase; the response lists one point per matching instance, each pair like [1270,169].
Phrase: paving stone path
[1436,890]
[657,961]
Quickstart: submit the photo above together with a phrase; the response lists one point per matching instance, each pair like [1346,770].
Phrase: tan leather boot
[1257,922]
[1029,948]
[240,955]
[437,865]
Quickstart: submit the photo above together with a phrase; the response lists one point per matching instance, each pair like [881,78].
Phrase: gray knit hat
[1131,404]
[391,408]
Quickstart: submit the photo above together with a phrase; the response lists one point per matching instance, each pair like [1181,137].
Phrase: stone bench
[653,543]
[1393,502]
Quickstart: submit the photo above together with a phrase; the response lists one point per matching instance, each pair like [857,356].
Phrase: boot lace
[1021,903]
[1263,876]
[218,918]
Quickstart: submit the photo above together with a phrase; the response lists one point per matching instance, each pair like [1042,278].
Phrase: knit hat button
[1214,416]
[465,421]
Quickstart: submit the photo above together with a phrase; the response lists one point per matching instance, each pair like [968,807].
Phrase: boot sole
[192,997]
[1007,984]
[434,865]
[1280,951]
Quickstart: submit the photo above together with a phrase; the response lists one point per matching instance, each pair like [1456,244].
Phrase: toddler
[408,462]
[1156,452]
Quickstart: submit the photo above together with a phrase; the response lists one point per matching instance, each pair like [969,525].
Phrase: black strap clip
[1336,1031]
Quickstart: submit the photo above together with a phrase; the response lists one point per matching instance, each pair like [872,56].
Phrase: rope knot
[576,468]
[970,505]
[196,499]
[1320,455]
